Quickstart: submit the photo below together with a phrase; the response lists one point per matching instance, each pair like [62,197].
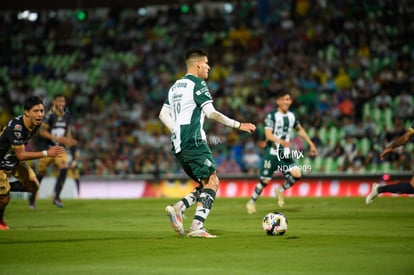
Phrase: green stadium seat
[387,116]
[376,114]
[409,147]
[327,164]
[311,131]
[366,111]
[305,161]
[386,166]
[323,134]
[365,145]
[316,164]
[333,134]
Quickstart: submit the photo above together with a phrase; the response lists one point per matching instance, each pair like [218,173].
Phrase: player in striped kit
[278,156]
[188,103]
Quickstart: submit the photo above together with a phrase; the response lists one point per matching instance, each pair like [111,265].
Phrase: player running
[188,103]
[277,153]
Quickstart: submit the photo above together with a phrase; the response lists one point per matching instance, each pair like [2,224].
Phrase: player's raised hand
[247,127]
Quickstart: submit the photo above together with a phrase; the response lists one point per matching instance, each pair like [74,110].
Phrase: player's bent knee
[41,173]
[296,173]
[4,200]
[213,182]
[216,181]
[265,181]
[32,186]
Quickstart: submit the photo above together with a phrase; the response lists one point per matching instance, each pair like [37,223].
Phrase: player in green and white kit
[278,154]
[188,103]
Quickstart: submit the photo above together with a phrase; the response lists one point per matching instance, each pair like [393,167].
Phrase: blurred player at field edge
[73,168]
[398,188]
[278,154]
[13,140]
[188,103]
[54,131]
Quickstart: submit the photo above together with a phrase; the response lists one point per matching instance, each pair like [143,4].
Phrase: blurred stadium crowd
[348,64]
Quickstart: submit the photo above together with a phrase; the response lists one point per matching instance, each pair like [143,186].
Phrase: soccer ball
[275,223]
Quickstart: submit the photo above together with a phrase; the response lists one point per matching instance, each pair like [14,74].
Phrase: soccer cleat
[32,206]
[4,226]
[279,195]
[251,207]
[58,203]
[200,233]
[176,219]
[373,194]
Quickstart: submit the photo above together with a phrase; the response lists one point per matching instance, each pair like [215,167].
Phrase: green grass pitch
[325,236]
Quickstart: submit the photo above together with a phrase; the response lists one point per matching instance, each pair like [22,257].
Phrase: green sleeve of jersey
[166,101]
[296,123]
[202,94]
[269,121]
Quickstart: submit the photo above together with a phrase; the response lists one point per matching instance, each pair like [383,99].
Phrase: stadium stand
[342,62]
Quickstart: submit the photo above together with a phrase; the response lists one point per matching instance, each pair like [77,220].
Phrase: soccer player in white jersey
[400,187]
[188,103]
[278,156]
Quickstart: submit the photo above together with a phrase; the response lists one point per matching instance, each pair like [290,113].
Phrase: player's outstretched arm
[212,113]
[302,133]
[22,154]
[399,141]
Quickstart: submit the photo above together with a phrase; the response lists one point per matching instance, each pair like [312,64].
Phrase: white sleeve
[212,113]
[165,117]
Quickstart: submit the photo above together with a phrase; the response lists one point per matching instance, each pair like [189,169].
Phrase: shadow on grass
[11,242]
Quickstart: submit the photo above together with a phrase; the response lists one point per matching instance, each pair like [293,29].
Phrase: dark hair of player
[282,94]
[195,52]
[32,101]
